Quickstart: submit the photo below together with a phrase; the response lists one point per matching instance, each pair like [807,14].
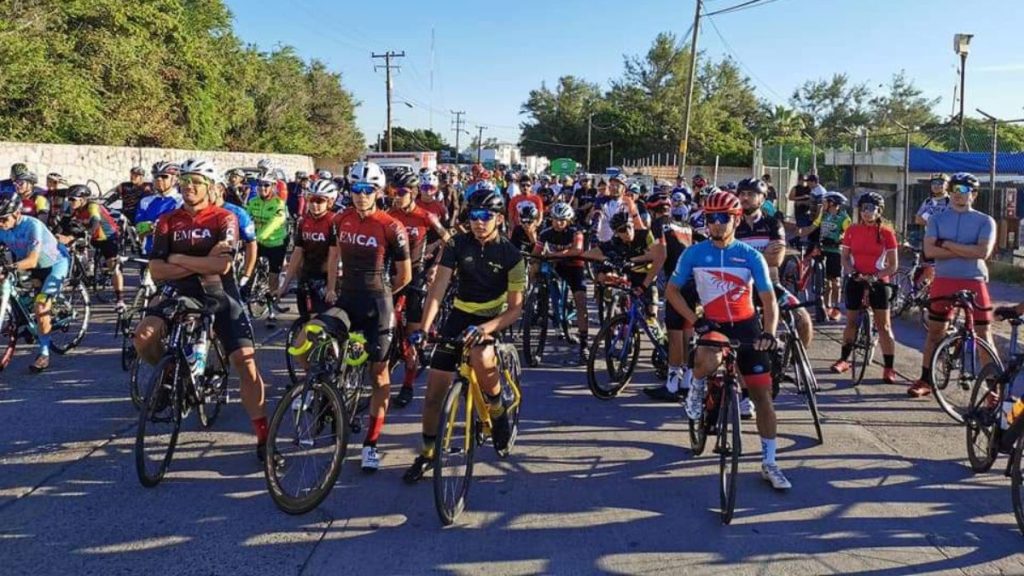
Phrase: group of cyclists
[353,244]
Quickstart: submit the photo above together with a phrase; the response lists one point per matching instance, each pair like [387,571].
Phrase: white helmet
[429,180]
[324,189]
[367,172]
[200,166]
[264,165]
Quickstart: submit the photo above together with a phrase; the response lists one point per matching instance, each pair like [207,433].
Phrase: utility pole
[387,56]
[689,88]
[590,127]
[479,143]
[458,130]
[611,153]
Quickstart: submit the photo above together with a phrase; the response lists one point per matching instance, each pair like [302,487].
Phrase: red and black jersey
[439,210]
[418,222]
[367,244]
[181,232]
[315,237]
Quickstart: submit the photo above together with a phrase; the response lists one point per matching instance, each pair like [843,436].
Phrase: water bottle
[199,352]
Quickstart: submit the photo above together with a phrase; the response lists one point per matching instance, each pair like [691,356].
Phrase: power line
[741,6]
[731,52]
[565,145]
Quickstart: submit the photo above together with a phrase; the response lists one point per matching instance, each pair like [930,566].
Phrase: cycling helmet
[678,198]
[723,201]
[200,166]
[709,190]
[323,189]
[752,185]
[871,198]
[264,165]
[18,169]
[730,186]
[27,177]
[324,174]
[236,172]
[835,197]
[138,171]
[406,180]
[619,219]
[964,179]
[939,176]
[658,200]
[699,181]
[161,168]
[79,191]
[267,178]
[9,204]
[528,213]
[486,199]
[302,175]
[634,188]
[55,177]
[367,173]
[562,211]
[485,185]
[429,180]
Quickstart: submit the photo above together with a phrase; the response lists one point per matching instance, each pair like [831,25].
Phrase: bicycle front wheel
[806,383]
[159,422]
[954,370]
[535,328]
[863,348]
[511,374]
[613,357]
[729,448]
[306,444]
[981,421]
[453,450]
[295,372]
[71,312]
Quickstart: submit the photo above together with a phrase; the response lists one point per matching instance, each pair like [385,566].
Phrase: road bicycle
[955,361]
[862,350]
[911,289]
[548,303]
[803,275]
[465,423]
[259,298]
[191,374]
[615,351]
[309,432]
[69,308]
[793,354]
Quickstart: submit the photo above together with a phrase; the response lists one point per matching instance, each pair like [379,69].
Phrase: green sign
[563,166]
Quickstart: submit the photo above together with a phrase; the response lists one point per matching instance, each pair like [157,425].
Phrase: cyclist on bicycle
[131,193]
[418,224]
[165,200]
[492,278]
[832,222]
[869,254]
[959,239]
[103,235]
[564,239]
[638,249]
[33,200]
[367,238]
[526,197]
[192,252]
[937,201]
[313,240]
[727,273]
[270,214]
[35,250]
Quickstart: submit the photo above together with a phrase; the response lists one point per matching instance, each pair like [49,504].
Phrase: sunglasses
[719,218]
[962,189]
[480,215]
[363,188]
[198,181]
[622,229]
[318,200]
[938,182]
[402,191]
[869,208]
[266,184]
[162,176]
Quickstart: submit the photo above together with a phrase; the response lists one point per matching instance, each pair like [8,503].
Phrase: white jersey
[932,206]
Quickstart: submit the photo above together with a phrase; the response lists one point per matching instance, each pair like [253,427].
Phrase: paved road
[592,487]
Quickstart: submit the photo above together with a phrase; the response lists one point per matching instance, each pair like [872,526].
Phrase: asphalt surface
[592,487]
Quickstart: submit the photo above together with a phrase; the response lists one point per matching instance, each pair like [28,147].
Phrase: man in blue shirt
[246,234]
[166,199]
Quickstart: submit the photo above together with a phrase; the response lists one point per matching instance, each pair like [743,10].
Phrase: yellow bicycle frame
[475,398]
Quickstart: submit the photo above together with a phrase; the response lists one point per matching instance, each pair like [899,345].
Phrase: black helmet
[79,191]
[9,204]
[407,180]
[619,219]
[871,198]
[528,213]
[752,185]
[964,179]
[488,200]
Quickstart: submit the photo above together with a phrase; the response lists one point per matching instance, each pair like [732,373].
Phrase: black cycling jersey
[486,272]
[618,251]
[676,236]
[560,240]
[520,240]
[764,230]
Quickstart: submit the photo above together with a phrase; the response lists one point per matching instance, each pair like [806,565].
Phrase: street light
[961,46]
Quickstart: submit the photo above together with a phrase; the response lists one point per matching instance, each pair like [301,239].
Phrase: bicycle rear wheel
[306,444]
[953,374]
[806,383]
[905,287]
[214,394]
[8,338]
[453,450]
[258,302]
[354,395]
[535,328]
[863,348]
[128,353]
[511,376]
[981,421]
[613,357]
[159,422]
[1017,483]
[70,311]
[729,448]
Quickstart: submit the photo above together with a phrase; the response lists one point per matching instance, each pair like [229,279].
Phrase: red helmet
[723,202]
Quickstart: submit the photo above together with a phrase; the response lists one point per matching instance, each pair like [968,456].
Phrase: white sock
[768,450]
[674,376]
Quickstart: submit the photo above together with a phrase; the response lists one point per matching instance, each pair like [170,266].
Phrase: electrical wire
[731,52]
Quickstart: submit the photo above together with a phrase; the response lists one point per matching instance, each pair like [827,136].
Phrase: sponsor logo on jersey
[357,239]
[192,234]
[314,236]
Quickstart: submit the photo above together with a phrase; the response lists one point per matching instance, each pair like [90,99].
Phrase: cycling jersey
[150,209]
[30,235]
[932,206]
[723,277]
[246,227]
[969,227]
[130,196]
[296,199]
[92,214]
[521,240]
[619,251]
[675,236]
[832,227]
[439,210]
[315,236]
[607,206]
[366,245]
[417,223]
[271,219]
[868,245]
[699,223]
[487,273]
[35,205]
[761,233]
[181,232]
[560,240]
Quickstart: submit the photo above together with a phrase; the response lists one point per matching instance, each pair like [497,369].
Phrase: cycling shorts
[755,366]
[309,297]
[942,310]
[415,296]
[447,357]
[107,248]
[878,298]
[370,313]
[52,278]
[833,265]
[573,276]
[274,255]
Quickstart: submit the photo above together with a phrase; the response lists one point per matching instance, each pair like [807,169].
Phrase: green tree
[557,119]
[403,139]
[830,107]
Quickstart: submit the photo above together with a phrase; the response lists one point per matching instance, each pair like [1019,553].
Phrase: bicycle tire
[70,304]
[128,353]
[535,328]
[981,422]
[818,290]
[258,302]
[295,372]
[157,402]
[863,348]
[216,378]
[954,397]
[351,382]
[8,338]
[456,441]
[320,424]
[806,384]
[789,274]
[510,360]
[1017,483]
[903,300]
[728,453]
[604,349]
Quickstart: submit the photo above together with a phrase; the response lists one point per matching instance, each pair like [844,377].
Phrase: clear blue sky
[488,57]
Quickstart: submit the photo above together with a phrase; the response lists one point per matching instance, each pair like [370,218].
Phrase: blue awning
[922,160]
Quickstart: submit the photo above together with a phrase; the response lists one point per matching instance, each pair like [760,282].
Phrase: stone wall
[109,165]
